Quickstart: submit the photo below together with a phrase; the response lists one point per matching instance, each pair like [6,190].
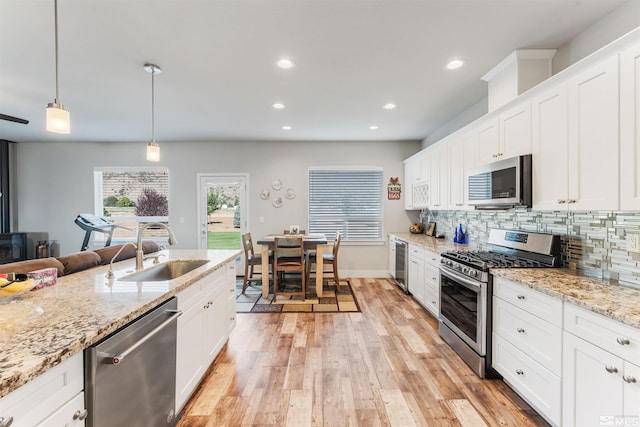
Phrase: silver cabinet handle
[520,330]
[519,372]
[116,359]
[6,422]
[611,369]
[571,201]
[629,379]
[80,415]
[521,297]
[623,341]
[562,201]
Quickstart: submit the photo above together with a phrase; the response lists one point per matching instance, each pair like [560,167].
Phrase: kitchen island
[40,329]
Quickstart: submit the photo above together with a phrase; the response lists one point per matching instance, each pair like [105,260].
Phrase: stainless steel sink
[166,271]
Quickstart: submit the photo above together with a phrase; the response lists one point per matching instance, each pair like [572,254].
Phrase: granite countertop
[40,329]
[613,301]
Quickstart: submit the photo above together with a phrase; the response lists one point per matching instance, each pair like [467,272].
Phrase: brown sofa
[78,261]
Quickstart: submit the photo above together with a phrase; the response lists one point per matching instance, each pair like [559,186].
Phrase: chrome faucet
[139,253]
[110,272]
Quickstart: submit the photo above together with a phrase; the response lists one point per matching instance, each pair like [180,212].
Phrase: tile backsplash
[593,242]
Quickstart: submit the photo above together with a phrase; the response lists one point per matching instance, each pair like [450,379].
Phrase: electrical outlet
[633,242]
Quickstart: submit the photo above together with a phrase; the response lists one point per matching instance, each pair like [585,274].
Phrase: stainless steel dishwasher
[130,376]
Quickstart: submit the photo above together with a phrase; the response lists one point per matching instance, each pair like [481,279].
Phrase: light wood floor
[385,366]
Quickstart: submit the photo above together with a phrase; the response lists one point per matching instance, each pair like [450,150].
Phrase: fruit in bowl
[22,283]
[416,229]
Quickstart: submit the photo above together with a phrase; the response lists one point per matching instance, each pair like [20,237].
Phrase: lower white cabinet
[203,328]
[416,273]
[432,283]
[601,372]
[392,257]
[55,398]
[527,345]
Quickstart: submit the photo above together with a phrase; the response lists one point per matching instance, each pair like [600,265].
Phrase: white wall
[54,183]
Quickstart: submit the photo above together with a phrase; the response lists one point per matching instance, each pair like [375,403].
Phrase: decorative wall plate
[265,194]
[277,202]
[290,193]
[276,185]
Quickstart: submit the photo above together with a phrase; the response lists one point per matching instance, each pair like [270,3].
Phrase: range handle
[116,359]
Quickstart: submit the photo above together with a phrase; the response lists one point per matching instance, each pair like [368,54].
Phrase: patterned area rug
[332,301]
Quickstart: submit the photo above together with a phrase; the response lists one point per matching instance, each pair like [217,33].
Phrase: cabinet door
[416,279]
[216,324]
[488,140]
[515,131]
[550,149]
[593,138]
[189,350]
[72,414]
[630,129]
[392,257]
[592,384]
[456,173]
[631,390]
[439,182]
[410,166]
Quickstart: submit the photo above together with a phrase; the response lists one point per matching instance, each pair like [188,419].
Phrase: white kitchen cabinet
[527,345]
[593,138]
[550,159]
[203,328]
[463,152]
[52,399]
[432,283]
[630,129]
[601,382]
[505,135]
[439,176]
[416,177]
[416,273]
[488,140]
[231,297]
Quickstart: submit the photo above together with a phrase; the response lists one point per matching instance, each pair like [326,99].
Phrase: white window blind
[346,200]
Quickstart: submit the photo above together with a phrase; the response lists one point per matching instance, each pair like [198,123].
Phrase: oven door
[463,308]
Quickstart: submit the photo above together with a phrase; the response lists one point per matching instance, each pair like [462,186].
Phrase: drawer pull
[521,297]
[520,330]
[623,341]
[611,369]
[519,372]
[562,201]
[6,422]
[80,415]
[629,379]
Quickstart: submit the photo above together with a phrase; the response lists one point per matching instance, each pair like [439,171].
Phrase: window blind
[346,200]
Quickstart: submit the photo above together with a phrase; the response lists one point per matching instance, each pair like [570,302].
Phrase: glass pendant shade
[58,119]
[153,152]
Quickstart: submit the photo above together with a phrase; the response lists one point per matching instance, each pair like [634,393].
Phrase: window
[130,196]
[346,200]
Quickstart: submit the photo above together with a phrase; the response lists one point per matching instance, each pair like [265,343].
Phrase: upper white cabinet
[416,181]
[505,136]
[463,152]
[630,129]
[550,149]
[439,176]
[593,137]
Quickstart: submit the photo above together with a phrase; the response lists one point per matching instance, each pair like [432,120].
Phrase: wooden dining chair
[251,259]
[288,256]
[327,259]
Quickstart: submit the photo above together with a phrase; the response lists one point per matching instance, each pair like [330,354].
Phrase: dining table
[317,242]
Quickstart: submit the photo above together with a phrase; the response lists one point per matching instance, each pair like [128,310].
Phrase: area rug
[332,301]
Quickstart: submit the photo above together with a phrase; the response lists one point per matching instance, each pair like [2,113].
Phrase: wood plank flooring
[385,366]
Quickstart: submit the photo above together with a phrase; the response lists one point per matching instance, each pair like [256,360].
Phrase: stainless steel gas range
[466,289]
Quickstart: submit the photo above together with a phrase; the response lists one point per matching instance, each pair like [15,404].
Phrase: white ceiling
[218,58]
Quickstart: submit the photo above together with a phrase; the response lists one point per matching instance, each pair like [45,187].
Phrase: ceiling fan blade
[13,119]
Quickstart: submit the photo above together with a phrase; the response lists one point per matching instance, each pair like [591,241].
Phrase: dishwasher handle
[116,359]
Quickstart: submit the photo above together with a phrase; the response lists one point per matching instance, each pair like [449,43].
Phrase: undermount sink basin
[166,271]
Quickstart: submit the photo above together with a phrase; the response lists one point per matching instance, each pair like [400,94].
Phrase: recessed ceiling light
[285,64]
[389,106]
[455,64]
[286,127]
[374,127]
[278,106]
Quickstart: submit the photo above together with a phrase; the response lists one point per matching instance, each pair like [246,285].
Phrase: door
[222,210]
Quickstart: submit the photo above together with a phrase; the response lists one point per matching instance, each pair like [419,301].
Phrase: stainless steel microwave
[501,185]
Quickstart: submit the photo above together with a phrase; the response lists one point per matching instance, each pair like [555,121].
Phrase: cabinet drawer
[432,258]
[416,251]
[534,302]
[30,404]
[539,339]
[70,415]
[615,337]
[541,388]
[433,276]
[432,299]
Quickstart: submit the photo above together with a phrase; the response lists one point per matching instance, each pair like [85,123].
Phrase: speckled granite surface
[613,301]
[40,329]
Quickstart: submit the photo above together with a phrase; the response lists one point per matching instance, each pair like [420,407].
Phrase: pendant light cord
[55,6]
[153,108]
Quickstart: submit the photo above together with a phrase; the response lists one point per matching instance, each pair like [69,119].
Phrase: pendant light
[58,117]
[153,150]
